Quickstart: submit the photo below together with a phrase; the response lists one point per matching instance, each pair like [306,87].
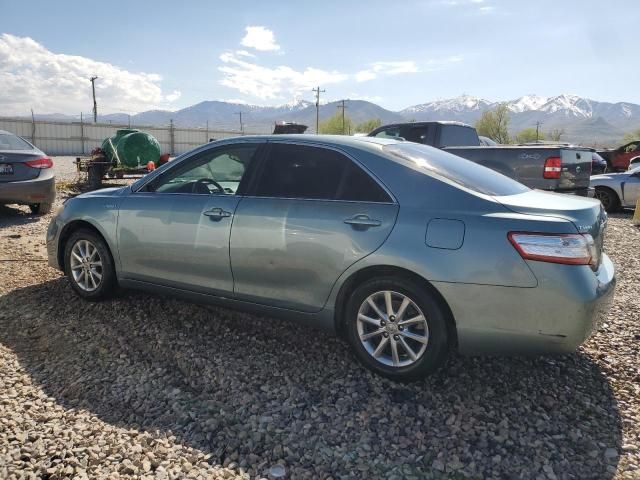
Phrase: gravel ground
[144,386]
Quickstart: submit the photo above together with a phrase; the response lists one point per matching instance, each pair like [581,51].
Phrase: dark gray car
[406,250]
[26,174]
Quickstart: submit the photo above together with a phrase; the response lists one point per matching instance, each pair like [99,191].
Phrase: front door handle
[362,220]
[217,213]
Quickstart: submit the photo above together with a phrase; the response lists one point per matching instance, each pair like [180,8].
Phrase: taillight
[567,248]
[42,162]
[552,167]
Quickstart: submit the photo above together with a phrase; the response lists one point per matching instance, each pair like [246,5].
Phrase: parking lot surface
[143,385]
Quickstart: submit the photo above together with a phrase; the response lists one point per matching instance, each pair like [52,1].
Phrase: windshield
[13,142]
[456,169]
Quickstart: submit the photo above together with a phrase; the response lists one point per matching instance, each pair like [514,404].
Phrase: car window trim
[195,154]
[250,193]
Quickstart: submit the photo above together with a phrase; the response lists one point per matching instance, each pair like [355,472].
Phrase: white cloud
[260,38]
[386,68]
[365,75]
[244,53]
[33,77]
[269,83]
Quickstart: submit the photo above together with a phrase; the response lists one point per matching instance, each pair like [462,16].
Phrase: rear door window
[300,171]
[310,172]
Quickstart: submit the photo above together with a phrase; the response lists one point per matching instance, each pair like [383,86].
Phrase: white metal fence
[78,138]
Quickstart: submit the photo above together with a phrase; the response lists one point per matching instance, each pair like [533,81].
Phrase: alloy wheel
[392,328]
[86,265]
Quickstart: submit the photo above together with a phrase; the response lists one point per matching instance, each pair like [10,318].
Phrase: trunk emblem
[578,169]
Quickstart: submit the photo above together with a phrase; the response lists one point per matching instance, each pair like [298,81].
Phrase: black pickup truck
[564,169]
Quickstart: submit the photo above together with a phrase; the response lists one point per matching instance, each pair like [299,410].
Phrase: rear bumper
[582,192]
[29,192]
[555,317]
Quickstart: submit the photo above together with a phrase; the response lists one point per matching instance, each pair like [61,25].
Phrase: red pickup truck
[619,158]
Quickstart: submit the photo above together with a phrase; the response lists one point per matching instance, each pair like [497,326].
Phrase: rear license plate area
[6,169]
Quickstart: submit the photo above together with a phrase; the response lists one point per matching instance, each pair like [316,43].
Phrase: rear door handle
[217,213]
[362,220]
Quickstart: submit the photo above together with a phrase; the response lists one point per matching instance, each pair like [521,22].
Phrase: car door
[311,213]
[174,231]
[631,189]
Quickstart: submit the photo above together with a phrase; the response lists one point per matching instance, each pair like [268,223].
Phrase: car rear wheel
[89,266]
[397,328]
[608,198]
[40,208]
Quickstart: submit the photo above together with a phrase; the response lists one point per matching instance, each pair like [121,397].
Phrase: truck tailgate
[576,168]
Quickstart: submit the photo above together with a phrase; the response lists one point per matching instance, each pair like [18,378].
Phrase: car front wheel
[397,328]
[608,198]
[89,266]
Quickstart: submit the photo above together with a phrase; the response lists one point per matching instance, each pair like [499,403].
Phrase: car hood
[104,192]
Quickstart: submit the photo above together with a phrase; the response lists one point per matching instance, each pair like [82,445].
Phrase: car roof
[426,122]
[329,140]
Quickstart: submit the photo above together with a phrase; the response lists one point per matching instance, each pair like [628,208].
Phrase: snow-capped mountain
[584,120]
[464,103]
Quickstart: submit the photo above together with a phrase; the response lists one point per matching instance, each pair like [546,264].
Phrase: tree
[631,136]
[556,134]
[528,135]
[368,125]
[333,125]
[495,124]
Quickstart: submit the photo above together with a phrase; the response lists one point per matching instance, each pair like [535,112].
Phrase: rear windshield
[456,169]
[12,142]
[458,136]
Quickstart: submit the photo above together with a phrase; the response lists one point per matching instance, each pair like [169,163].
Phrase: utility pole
[342,106]
[538,130]
[241,126]
[318,92]
[95,105]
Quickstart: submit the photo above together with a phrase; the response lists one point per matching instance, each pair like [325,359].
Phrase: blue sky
[168,54]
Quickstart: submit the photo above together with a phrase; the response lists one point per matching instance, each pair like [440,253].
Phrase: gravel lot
[144,386]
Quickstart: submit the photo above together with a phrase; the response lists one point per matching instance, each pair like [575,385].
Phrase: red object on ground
[164,158]
[151,166]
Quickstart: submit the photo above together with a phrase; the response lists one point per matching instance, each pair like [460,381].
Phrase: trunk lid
[586,214]
[13,167]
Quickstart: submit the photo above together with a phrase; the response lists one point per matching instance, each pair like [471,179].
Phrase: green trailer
[128,152]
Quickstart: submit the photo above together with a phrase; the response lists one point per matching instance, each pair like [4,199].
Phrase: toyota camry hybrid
[407,251]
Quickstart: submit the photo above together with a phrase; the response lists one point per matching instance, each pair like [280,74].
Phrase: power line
[318,92]
[342,106]
[95,105]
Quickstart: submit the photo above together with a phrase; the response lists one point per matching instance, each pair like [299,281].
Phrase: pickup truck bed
[564,169]
[527,165]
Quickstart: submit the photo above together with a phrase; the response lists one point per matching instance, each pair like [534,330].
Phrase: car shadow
[13,215]
[225,382]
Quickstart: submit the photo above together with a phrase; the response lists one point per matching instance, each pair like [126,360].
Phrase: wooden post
[172,138]
[82,133]
[33,128]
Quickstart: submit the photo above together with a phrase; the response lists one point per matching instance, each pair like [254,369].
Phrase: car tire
[608,198]
[426,340]
[89,265]
[40,208]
